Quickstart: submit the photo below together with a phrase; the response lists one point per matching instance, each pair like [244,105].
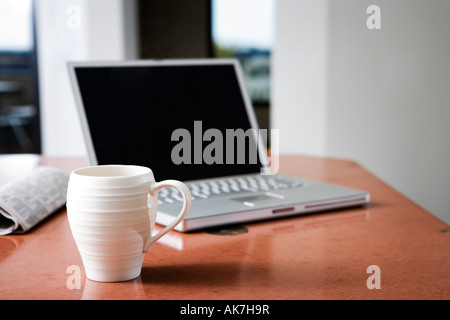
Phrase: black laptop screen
[144,115]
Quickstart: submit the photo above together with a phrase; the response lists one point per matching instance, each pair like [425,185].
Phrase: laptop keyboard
[216,188]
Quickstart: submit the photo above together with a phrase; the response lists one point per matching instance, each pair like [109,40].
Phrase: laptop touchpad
[252,201]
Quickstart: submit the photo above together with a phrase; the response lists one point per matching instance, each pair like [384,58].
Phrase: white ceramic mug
[112,211]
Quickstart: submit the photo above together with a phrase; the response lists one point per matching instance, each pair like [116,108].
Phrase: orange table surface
[317,256]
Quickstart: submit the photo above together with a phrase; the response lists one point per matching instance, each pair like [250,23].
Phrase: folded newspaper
[29,199]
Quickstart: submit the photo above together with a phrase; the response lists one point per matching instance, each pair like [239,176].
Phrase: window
[16,25]
[244,29]
[19,97]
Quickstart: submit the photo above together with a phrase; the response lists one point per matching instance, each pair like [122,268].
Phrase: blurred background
[19,107]
[313,68]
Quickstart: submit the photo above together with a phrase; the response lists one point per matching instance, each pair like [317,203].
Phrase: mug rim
[133,171]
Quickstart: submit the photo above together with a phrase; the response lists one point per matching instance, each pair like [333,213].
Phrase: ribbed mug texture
[110,222]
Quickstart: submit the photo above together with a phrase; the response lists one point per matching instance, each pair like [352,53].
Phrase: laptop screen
[159,116]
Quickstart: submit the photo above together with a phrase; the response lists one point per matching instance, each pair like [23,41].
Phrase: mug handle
[187,199]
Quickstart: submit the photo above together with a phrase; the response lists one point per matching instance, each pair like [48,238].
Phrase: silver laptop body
[136,112]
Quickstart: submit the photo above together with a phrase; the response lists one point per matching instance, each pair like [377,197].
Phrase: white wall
[76,30]
[299,75]
[387,91]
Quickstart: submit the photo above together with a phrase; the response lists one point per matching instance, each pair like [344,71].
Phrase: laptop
[192,120]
